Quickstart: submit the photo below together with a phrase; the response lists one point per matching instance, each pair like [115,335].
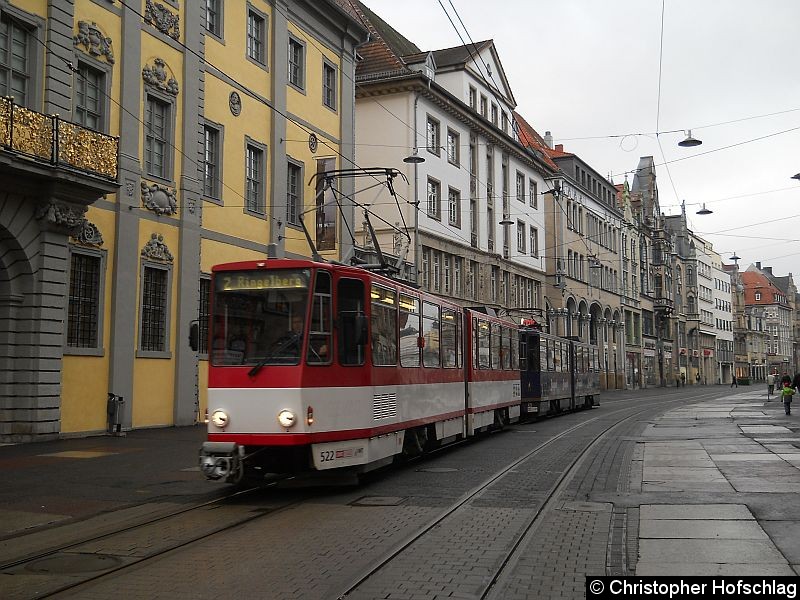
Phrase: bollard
[114,412]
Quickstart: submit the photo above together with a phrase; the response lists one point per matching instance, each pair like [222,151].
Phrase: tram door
[529,364]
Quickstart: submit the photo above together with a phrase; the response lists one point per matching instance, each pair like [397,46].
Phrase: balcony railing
[50,139]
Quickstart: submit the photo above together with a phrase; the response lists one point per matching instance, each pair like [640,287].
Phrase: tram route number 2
[330,455]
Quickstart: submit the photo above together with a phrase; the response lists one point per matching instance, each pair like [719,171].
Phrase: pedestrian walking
[796,382]
[683,379]
[770,385]
[734,382]
[786,397]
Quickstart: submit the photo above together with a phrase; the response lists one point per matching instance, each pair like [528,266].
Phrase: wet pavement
[711,490]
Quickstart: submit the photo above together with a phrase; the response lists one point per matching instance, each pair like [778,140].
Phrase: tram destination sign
[260,280]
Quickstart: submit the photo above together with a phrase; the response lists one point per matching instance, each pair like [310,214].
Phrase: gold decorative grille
[50,139]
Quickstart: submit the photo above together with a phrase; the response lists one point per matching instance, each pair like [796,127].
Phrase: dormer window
[758,295]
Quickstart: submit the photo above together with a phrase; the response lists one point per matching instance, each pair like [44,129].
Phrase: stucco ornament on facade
[63,216]
[93,41]
[156,249]
[235,104]
[158,77]
[162,19]
[159,198]
[88,234]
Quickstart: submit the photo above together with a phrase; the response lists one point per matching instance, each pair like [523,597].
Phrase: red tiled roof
[530,138]
[382,55]
[755,281]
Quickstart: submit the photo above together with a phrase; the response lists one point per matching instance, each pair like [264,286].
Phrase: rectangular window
[452,147]
[296,63]
[384,326]
[431,320]
[214,17]
[447,259]
[520,237]
[521,187]
[449,345]
[157,138]
[534,241]
[15,60]
[153,335]
[454,206]
[254,184]
[409,331]
[89,97]
[473,98]
[494,114]
[294,194]
[437,271]
[329,86]
[83,316]
[211,162]
[432,135]
[434,199]
[504,121]
[457,266]
[484,104]
[256,28]
[533,193]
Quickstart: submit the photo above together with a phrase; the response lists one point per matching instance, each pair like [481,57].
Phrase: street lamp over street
[704,210]
[689,142]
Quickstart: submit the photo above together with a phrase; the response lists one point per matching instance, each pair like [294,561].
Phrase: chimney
[559,147]
[758,265]
[768,270]
[548,139]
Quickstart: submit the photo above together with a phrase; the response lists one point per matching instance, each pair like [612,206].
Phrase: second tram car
[316,366]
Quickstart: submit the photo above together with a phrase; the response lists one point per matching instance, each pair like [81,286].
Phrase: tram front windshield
[259,317]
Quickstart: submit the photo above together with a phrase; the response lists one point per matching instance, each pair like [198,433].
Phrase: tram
[318,366]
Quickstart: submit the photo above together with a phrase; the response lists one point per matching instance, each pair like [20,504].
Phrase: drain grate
[74,563]
[378,501]
[437,470]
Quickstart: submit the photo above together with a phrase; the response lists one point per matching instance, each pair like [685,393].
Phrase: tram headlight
[219,418]
[287,418]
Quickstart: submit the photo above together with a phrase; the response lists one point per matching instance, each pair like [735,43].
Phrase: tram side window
[431,320]
[409,331]
[548,355]
[460,340]
[449,338]
[319,338]
[514,349]
[352,322]
[505,353]
[481,329]
[384,326]
[495,344]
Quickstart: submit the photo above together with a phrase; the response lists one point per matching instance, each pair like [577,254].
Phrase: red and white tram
[316,366]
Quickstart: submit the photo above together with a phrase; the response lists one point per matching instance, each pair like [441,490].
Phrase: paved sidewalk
[52,482]
[719,483]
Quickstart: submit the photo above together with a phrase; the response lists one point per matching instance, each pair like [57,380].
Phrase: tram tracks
[367,583]
[175,532]
[61,566]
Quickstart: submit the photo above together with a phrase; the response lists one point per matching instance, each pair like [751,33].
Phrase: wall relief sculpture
[156,249]
[88,234]
[159,198]
[62,216]
[158,77]
[157,15]
[93,41]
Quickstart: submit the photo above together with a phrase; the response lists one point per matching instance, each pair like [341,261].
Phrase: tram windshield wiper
[293,339]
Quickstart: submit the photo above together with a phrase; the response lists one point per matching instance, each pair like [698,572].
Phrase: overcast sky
[588,68]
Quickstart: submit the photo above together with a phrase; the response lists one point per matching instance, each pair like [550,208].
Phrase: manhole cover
[437,470]
[379,501]
[74,563]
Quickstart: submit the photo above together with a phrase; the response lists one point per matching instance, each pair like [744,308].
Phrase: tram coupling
[222,460]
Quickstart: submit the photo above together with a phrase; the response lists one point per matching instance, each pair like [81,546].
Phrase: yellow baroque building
[142,143]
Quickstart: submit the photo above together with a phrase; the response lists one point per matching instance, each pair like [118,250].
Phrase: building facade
[192,147]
